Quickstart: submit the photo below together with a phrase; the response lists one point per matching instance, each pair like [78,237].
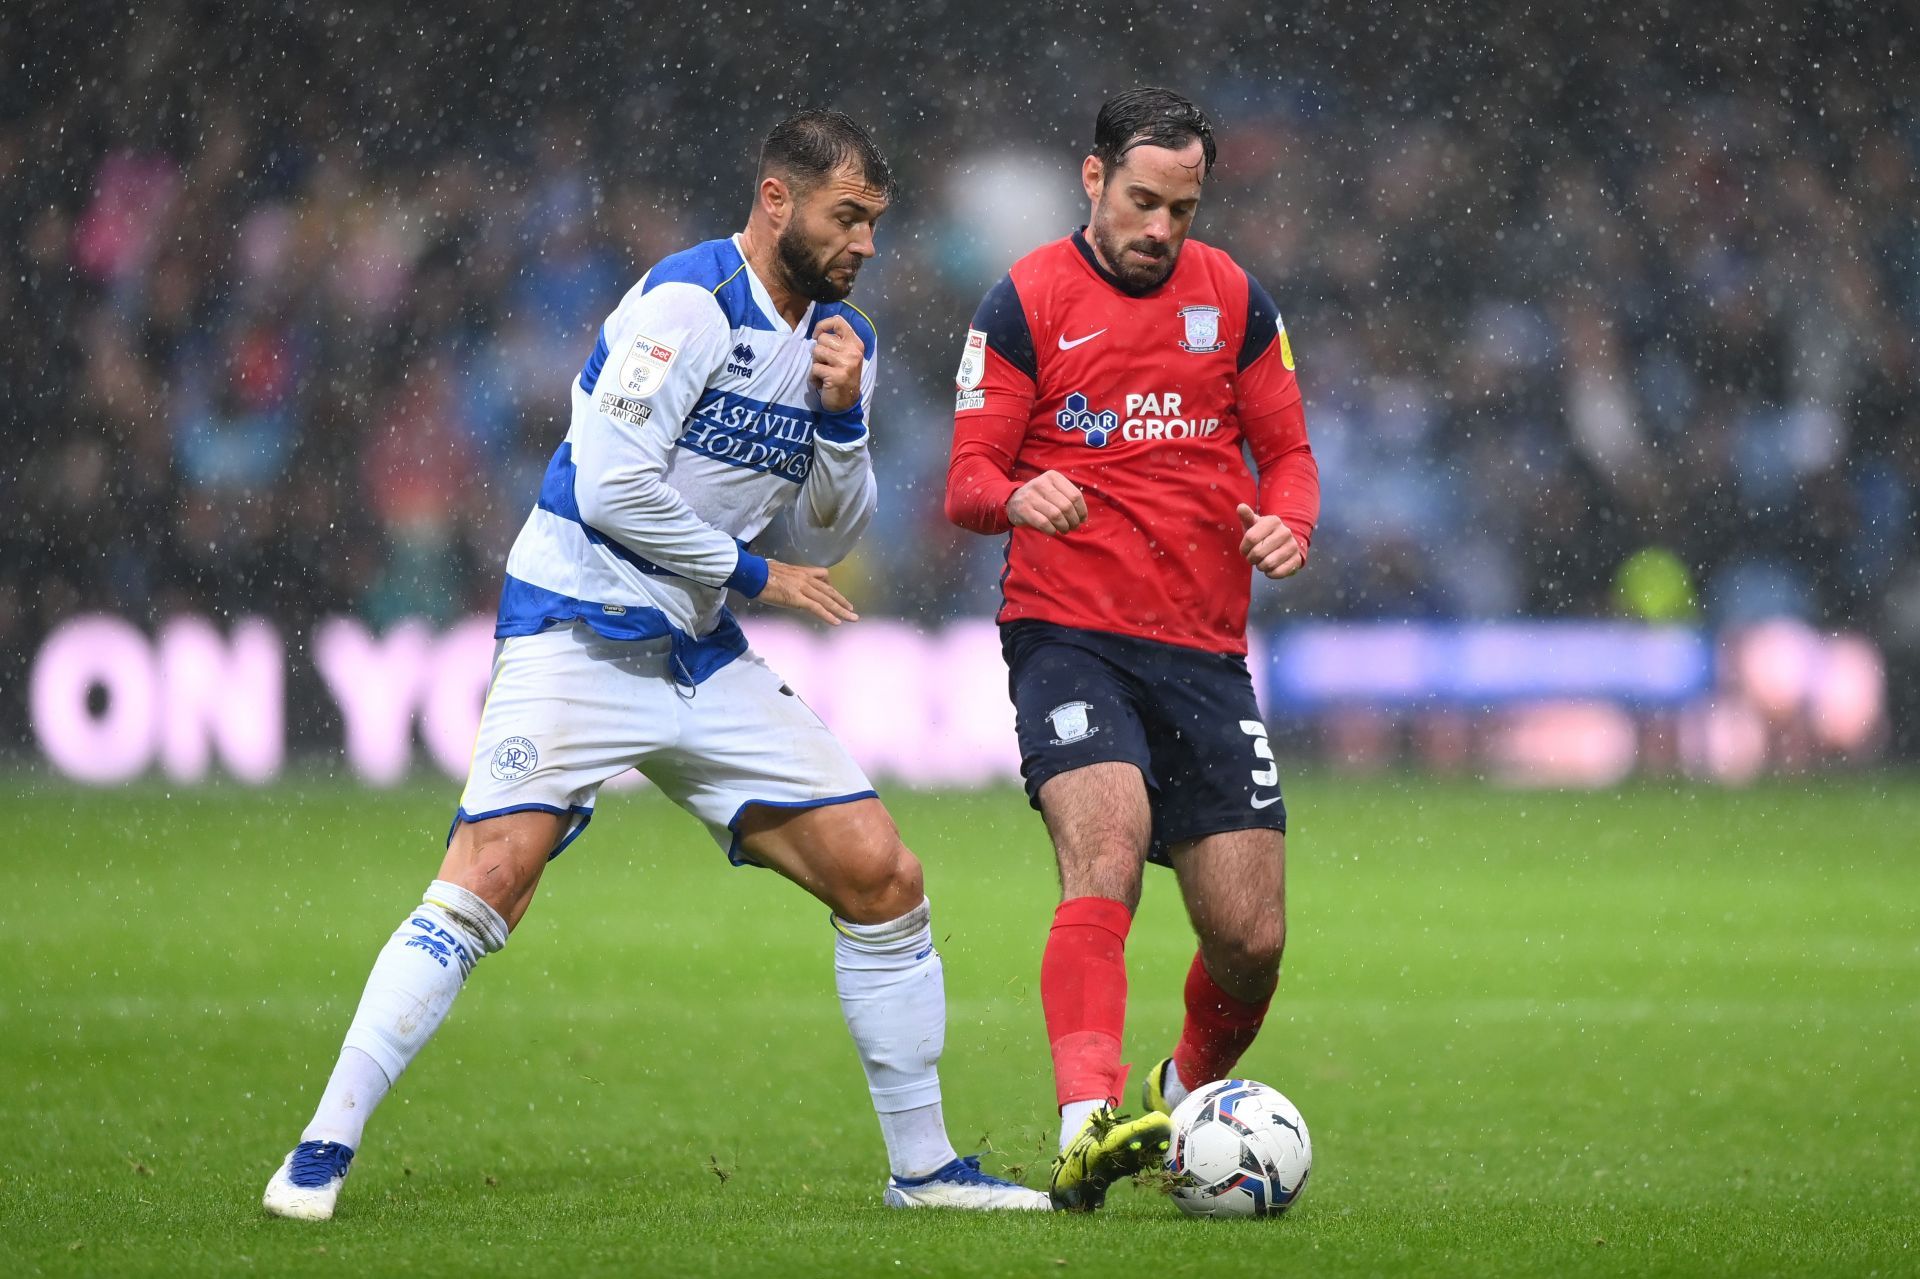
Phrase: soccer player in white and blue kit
[725,404]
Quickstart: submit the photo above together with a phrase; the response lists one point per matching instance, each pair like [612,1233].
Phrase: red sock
[1083,989]
[1218,1029]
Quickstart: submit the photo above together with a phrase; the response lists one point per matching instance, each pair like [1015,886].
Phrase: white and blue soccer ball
[1240,1149]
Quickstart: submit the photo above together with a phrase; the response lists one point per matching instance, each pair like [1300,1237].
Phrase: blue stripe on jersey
[526,609]
[1001,318]
[590,371]
[557,498]
[556,487]
[760,435]
[717,267]
[1263,325]
[842,428]
[854,316]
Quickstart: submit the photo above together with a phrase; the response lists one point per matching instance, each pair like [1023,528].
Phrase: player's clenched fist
[807,589]
[1049,503]
[838,355]
[1269,545]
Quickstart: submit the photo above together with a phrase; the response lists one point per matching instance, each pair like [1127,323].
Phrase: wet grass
[1658,1031]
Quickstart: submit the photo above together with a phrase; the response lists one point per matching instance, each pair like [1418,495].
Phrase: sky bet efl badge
[973,361]
[1203,329]
[646,366]
[973,367]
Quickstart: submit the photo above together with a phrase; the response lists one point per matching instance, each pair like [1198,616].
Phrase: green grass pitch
[1659,1031]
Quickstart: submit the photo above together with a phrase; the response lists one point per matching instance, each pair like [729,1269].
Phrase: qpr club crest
[1202,329]
[513,759]
[1069,720]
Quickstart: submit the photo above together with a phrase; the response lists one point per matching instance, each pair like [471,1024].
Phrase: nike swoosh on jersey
[1268,802]
[1068,346]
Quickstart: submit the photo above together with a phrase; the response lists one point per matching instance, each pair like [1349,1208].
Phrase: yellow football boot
[1107,1148]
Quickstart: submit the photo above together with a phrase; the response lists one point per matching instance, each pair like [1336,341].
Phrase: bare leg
[1235,888]
[1234,884]
[1100,824]
[847,855]
[500,860]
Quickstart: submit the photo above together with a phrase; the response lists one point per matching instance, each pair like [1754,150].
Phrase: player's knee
[500,859]
[1251,952]
[1111,871]
[879,884]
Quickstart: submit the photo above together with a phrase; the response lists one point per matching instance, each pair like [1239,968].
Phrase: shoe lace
[969,1174]
[317,1162]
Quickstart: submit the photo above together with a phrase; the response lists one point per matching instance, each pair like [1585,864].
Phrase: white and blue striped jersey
[696,429]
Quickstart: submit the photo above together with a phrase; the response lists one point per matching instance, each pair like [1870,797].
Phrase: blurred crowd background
[1596,313]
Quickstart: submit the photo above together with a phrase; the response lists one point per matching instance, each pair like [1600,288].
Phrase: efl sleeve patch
[645,367]
[973,361]
[996,364]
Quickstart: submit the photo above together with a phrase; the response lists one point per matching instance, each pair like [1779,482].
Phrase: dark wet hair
[1149,118]
[807,146]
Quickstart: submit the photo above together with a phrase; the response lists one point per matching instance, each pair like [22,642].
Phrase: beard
[805,275]
[1134,276]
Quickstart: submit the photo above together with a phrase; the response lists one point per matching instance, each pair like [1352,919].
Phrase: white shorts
[567,709]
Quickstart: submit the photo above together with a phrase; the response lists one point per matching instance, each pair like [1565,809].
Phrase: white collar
[764,299]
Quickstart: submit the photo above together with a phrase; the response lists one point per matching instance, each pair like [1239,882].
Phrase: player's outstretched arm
[808,590]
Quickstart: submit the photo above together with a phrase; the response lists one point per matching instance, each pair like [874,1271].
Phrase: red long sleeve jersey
[1143,401]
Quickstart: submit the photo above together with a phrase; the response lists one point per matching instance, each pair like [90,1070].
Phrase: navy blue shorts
[1186,718]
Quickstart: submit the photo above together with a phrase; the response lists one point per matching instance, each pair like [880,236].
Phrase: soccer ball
[1240,1149]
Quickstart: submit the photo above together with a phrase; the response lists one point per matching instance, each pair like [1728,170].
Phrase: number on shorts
[1270,775]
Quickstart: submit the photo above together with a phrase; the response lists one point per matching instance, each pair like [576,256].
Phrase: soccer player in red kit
[1106,391]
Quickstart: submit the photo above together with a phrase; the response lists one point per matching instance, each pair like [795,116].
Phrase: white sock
[1073,1117]
[1170,1086]
[916,1140]
[412,985]
[894,997]
[353,1090]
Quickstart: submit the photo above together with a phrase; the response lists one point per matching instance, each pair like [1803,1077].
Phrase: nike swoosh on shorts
[1068,346]
[1268,802]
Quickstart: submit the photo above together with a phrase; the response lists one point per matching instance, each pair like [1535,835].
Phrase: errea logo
[741,365]
[1098,427]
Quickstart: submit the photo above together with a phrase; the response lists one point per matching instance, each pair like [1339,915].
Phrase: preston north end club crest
[1070,724]
[1203,329]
